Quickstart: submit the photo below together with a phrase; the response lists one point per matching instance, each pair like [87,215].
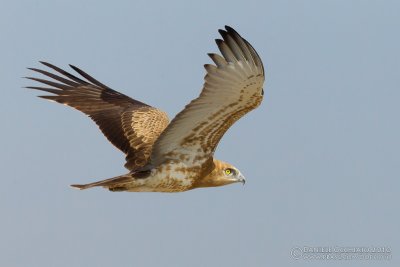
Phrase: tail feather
[111,182]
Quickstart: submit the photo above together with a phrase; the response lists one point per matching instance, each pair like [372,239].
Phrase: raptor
[164,156]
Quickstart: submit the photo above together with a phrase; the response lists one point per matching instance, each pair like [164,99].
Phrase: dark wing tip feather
[219,41]
[88,77]
[222,32]
[239,39]
[49,90]
[51,83]
[218,60]
[231,30]
[257,57]
[65,73]
[46,63]
[55,77]
[233,33]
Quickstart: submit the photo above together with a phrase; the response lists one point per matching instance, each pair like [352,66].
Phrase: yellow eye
[228,171]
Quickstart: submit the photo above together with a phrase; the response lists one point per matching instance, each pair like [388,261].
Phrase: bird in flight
[164,156]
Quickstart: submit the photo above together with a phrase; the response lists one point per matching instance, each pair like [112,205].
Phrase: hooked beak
[241,179]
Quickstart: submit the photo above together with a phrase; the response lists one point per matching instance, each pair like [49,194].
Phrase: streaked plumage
[163,156]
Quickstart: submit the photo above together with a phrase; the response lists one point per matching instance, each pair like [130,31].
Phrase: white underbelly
[167,180]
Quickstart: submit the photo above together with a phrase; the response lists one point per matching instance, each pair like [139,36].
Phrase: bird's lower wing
[128,124]
[232,88]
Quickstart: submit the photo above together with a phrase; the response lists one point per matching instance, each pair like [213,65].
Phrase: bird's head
[223,174]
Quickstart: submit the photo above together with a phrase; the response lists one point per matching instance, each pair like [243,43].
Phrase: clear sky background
[321,154]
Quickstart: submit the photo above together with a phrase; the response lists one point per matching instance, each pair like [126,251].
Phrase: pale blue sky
[321,154]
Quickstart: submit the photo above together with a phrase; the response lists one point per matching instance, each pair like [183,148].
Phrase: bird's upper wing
[128,124]
[232,88]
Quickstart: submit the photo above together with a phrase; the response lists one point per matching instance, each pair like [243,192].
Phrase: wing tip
[222,32]
[73,67]
[218,41]
[229,29]
[47,64]
[237,37]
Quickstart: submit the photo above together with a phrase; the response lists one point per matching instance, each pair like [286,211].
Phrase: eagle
[163,155]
